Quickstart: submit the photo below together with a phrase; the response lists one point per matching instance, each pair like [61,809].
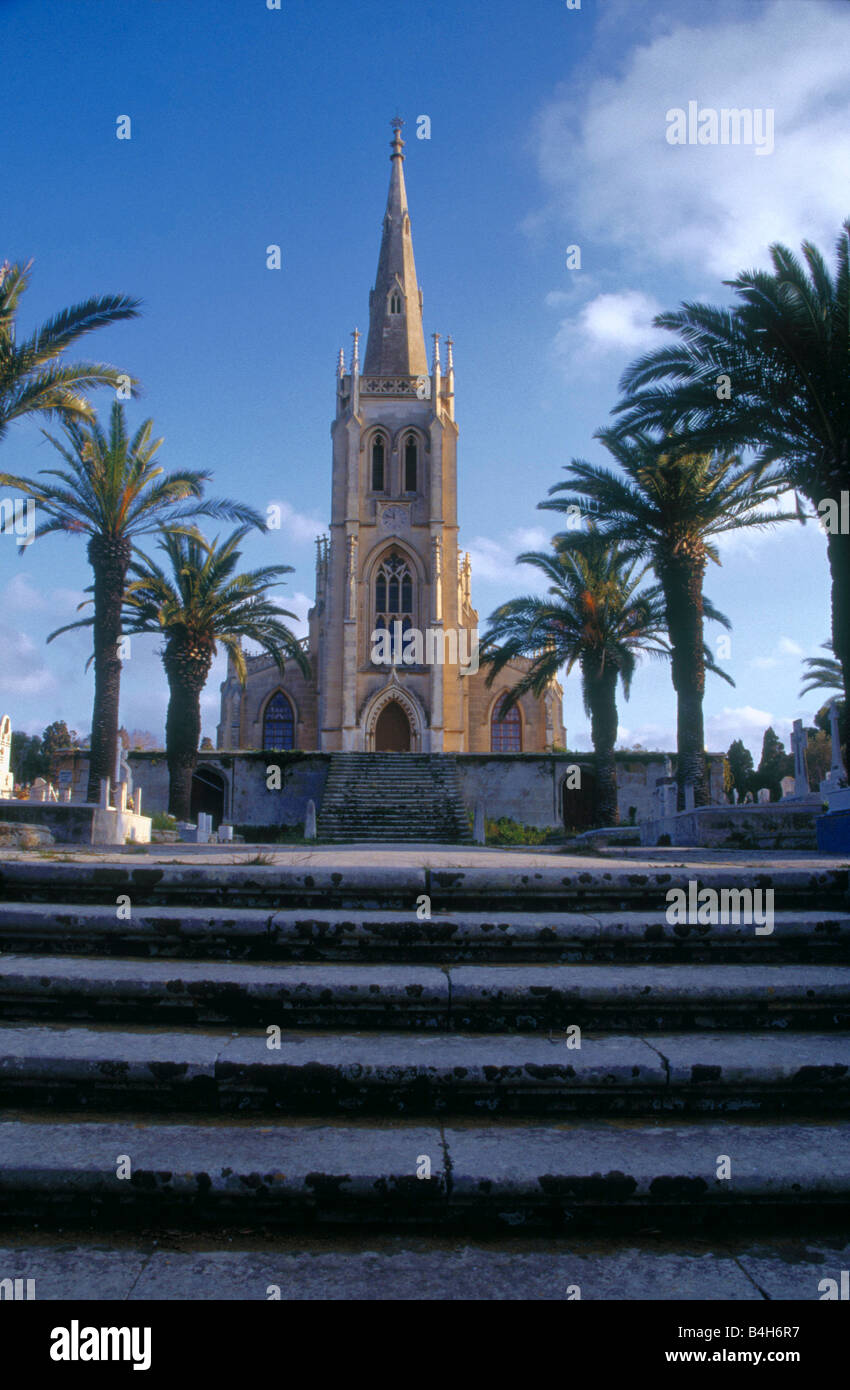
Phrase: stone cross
[798,748]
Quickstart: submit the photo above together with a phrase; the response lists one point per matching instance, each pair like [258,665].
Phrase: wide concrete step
[560,883]
[404,1174]
[483,997]
[807,937]
[384,1267]
[216,1072]
[395,798]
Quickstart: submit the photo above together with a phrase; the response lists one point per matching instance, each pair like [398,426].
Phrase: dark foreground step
[561,884]
[414,1268]
[374,935]
[413,1074]
[395,997]
[406,1175]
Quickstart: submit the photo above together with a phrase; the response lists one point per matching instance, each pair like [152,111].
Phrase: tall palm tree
[34,378]
[204,600]
[784,347]
[596,616]
[112,492]
[669,507]
[824,673]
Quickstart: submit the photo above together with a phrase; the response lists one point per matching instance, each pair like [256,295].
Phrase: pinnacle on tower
[396,343]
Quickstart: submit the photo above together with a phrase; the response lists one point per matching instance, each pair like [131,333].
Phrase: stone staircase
[294,1048]
[393,797]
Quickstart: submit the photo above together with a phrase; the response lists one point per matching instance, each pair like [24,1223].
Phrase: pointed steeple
[396,343]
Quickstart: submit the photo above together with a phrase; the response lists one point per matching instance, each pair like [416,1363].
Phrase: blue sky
[253,126]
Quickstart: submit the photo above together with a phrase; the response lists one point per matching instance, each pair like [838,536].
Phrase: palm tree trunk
[682,584]
[187,675]
[109,559]
[838,550]
[601,690]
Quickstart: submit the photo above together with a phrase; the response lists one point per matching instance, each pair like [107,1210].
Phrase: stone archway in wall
[209,790]
[392,729]
[385,718]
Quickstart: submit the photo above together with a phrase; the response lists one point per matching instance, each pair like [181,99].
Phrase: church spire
[396,343]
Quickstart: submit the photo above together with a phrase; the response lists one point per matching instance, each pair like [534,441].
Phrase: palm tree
[784,348]
[114,493]
[595,615]
[669,506]
[824,673]
[34,379]
[204,601]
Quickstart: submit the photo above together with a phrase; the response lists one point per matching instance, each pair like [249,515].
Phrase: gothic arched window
[393,593]
[395,303]
[410,461]
[505,730]
[378,453]
[279,723]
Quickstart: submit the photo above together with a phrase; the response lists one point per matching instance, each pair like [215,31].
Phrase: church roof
[396,343]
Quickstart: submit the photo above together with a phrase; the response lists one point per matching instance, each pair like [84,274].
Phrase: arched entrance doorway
[207,795]
[578,804]
[392,730]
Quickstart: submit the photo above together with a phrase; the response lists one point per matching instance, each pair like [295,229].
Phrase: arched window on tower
[505,730]
[393,593]
[378,452]
[279,723]
[410,462]
[395,302]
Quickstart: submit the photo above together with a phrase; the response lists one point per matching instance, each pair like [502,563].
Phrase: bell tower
[392,565]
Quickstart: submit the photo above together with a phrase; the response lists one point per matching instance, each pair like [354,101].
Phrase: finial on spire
[397,145]
[436,338]
[341,363]
[355,352]
[450,342]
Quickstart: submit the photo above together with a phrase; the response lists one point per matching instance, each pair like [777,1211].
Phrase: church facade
[392,638]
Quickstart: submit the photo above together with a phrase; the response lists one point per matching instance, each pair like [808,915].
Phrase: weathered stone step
[383,1267]
[562,883]
[392,997]
[393,799]
[505,1176]
[386,935]
[416,1074]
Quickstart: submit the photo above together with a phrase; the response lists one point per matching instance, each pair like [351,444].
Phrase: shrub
[505,831]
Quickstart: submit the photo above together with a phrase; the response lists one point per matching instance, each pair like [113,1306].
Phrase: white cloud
[22,672]
[612,176]
[745,723]
[610,323]
[296,525]
[785,647]
[496,560]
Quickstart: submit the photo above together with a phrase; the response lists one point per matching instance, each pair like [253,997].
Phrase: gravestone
[122,768]
[836,778]
[665,795]
[7,780]
[787,785]
[798,748]
[764,796]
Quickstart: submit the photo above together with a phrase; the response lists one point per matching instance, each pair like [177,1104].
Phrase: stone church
[392,634]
